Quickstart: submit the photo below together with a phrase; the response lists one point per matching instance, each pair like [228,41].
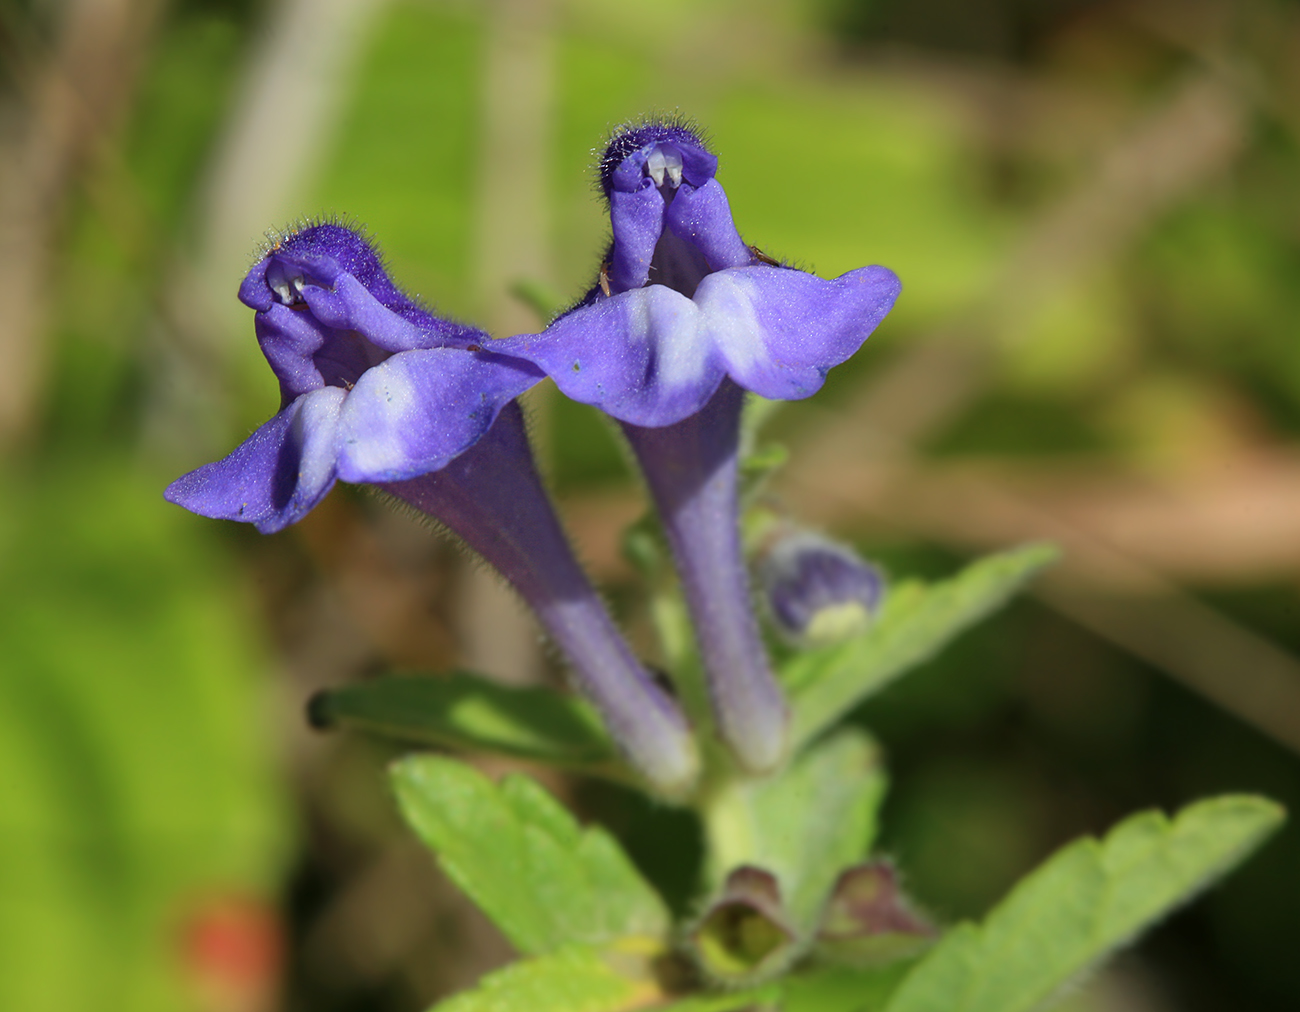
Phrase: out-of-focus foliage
[141,813]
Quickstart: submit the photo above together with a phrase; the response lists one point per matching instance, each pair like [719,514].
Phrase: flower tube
[684,318]
[376,390]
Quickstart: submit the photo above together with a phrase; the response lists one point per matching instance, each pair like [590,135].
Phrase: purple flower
[361,367]
[375,389]
[818,590]
[685,317]
[684,303]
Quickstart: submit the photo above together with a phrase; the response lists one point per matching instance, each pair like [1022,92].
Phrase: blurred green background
[1094,210]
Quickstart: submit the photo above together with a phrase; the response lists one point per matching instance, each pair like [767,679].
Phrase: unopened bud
[818,590]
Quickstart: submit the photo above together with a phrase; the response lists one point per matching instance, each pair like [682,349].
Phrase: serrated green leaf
[1084,902]
[543,879]
[463,711]
[571,979]
[805,825]
[916,622]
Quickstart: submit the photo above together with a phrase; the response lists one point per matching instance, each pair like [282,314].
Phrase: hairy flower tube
[377,390]
[685,318]
[818,591]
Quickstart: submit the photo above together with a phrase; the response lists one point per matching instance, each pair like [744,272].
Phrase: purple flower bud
[818,590]
[375,389]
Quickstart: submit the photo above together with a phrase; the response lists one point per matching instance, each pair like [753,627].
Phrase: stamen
[665,161]
[285,281]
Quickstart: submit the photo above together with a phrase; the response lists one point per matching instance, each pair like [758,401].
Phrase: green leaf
[744,1000]
[523,858]
[916,622]
[571,979]
[805,825]
[468,712]
[843,989]
[1084,902]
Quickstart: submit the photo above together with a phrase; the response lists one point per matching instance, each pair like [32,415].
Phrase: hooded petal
[342,302]
[277,475]
[420,409]
[640,356]
[327,311]
[658,178]
[777,330]
[703,217]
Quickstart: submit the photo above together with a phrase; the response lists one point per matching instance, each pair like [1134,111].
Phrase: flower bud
[818,591]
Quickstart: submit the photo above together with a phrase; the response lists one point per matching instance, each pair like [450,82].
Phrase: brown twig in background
[73,98]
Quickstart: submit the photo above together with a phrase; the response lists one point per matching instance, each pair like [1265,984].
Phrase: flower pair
[684,318]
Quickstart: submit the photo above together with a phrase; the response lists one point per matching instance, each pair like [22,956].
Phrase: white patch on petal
[670,323]
[730,322]
[314,428]
[371,435]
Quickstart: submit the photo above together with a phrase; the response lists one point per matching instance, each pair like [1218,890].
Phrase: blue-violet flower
[684,318]
[375,389]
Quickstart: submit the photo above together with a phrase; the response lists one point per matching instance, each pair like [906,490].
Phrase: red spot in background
[232,953]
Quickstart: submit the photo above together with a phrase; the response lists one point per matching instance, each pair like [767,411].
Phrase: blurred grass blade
[1084,902]
[916,622]
[463,711]
[542,879]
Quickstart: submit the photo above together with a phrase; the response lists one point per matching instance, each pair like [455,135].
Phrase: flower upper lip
[655,154]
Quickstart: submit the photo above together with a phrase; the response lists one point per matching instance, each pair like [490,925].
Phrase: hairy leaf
[1084,902]
[464,711]
[523,858]
[571,979]
[916,622]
